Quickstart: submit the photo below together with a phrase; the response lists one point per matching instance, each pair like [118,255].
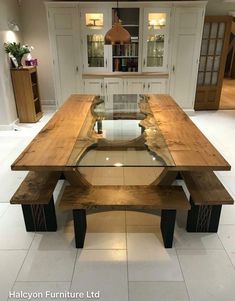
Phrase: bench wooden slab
[167,198]
[35,194]
[206,189]
[207,195]
[37,188]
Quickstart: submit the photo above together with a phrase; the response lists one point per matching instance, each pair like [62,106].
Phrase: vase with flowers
[17,51]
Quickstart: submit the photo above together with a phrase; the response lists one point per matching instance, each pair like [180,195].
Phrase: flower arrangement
[17,51]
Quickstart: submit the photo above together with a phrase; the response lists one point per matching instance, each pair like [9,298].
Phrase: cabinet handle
[144,86]
[106,87]
[148,86]
[77,69]
[144,62]
[173,69]
[101,85]
[106,63]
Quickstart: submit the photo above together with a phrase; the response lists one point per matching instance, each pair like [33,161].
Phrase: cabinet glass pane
[95,46]
[214,78]
[219,47]
[200,78]
[216,63]
[209,63]
[214,29]
[155,50]
[208,78]
[202,63]
[204,47]
[206,30]
[94,21]
[156,20]
[221,30]
[212,44]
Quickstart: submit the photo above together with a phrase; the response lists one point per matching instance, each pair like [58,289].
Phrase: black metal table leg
[168,226]
[80,225]
[40,218]
[203,218]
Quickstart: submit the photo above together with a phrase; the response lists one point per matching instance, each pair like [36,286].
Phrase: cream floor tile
[105,241]
[194,241]
[227,215]
[106,222]
[12,230]
[158,291]
[104,271]
[143,218]
[209,274]
[48,266]
[3,208]
[44,290]
[10,264]
[227,235]
[148,260]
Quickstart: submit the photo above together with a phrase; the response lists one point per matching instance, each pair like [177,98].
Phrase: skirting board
[189,112]
[9,127]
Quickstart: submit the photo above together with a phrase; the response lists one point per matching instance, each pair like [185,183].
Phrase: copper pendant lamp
[117,34]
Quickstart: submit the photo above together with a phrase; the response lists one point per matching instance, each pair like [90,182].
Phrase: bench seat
[167,198]
[207,195]
[35,195]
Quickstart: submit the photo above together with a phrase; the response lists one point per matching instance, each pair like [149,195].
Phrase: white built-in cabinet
[165,49]
[185,55]
[64,36]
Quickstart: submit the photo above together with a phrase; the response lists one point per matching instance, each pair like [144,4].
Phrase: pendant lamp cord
[118,14]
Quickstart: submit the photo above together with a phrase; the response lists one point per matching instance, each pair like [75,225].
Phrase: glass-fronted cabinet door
[95,23]
[155,39]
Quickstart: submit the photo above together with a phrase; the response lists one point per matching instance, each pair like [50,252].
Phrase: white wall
[9,10]
[219,7]
[35,33]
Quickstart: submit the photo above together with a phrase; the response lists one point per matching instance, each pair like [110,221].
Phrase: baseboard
[46,107]
[189,112]
[9,127]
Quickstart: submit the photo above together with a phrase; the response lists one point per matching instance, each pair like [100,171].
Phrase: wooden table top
[51,149]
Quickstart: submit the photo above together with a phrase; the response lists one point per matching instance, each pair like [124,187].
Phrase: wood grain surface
[37,188]
[52,147]
[189,148]
[124,197]
[206,189]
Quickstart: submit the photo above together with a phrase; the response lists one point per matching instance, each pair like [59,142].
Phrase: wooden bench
[207,195]
[35,195]
[167,198]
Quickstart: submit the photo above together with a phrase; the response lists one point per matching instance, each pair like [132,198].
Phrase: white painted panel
[183,74]
[93,86]
[135,86]
[157,86]
[113,86]
[67,66]
[63,20]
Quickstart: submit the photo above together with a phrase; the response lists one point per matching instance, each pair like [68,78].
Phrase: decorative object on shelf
[30,61]
[17,51]
[117,34]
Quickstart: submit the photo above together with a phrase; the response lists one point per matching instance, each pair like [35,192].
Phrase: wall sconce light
[13,26]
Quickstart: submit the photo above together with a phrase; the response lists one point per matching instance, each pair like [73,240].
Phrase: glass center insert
[123,133]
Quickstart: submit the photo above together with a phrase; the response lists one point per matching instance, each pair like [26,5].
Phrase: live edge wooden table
[90,131]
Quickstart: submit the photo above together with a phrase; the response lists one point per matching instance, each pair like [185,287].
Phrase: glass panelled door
[95,23]
[155,43]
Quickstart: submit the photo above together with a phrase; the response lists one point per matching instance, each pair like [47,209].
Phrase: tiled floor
[123,256]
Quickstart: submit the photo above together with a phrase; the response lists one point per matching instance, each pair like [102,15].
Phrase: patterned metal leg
[80,224]
[203,218]
[168,226]
[40,218]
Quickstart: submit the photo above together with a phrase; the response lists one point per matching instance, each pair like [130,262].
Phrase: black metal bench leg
[168,226]
[40,218]
[80,224]
[203,218]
